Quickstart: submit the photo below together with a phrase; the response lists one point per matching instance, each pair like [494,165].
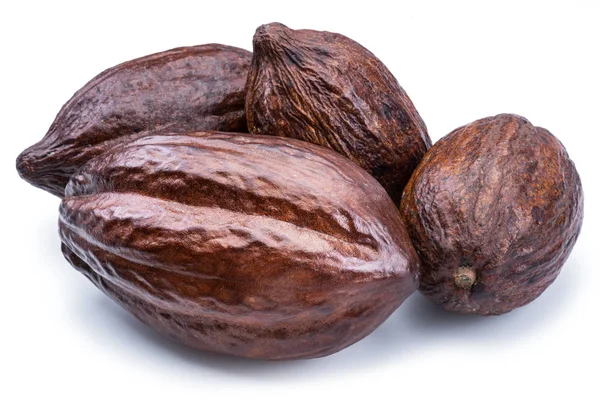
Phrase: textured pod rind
[253,246]
[493,210]
[184,89]
[326,89]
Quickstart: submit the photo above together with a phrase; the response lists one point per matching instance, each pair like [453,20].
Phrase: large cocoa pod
[327,89]
[253,246]
[183,89]
[494,210]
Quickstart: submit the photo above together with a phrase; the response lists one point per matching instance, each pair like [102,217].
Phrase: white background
[62,340]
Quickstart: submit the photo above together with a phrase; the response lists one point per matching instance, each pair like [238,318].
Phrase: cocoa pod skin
[252,246]
[493,210]
[184,89]
[326,89]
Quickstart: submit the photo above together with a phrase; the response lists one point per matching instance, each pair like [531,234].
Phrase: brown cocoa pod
[493,210]
[183,89]
[247,245]
[326,89]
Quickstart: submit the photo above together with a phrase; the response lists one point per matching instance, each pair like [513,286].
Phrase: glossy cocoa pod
[326,89]
[184,89]
[494,210]
[253,246]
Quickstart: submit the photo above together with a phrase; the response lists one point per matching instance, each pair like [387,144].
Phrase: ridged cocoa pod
[183,89]
[253,246]
[327,89]
[494,210]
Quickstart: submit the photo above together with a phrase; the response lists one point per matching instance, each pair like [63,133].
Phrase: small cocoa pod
[493,210]
[253,246]
[326,89]
[183,89]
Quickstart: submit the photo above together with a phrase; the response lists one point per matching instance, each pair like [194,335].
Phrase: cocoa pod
[326,89]
[253,246]
[494,210]
[183,89]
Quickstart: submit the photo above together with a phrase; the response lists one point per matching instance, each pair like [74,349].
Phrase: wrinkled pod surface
[326,89]
[493,210]
[253,246]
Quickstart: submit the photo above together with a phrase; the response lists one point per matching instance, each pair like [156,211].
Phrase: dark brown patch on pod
[253,246]
[183,89]
[494,210]
[325,88]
